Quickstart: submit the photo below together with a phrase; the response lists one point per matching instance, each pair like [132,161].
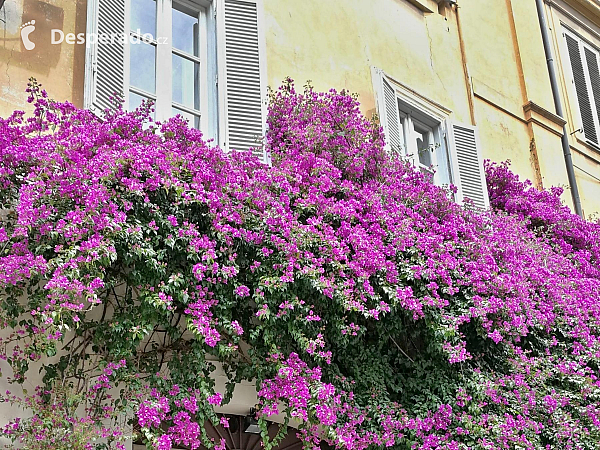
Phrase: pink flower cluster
[364,302]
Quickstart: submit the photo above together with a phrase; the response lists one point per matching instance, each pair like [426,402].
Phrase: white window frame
[233,87]
[459,144]
[410,135]
[164,51]
[413,107]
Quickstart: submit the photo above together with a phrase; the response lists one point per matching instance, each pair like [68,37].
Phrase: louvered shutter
[594,74]
[467,163]
[583,96]
[105,62]
[387,109]
[242,76]
[392,120]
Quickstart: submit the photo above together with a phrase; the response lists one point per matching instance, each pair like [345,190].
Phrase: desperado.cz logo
[26,30]
[58,37]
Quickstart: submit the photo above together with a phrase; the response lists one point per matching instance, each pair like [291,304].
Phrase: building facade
[453,82]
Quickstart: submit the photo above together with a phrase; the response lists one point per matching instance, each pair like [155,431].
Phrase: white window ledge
[427,6]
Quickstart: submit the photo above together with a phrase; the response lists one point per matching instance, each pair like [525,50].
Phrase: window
[420,130]
[584,62]
[423,144]
[179,27]
[201,59]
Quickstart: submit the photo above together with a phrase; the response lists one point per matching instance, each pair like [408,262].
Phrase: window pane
[186,88]
[424,145]
[185,29]
[135,101]
[193,120]
[143,16]
[404,133]
[142,66]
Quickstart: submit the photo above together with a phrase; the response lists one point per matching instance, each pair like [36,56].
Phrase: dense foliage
[363,302]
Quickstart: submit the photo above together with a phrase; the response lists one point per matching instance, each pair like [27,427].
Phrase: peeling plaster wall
[335,43]
[59,67]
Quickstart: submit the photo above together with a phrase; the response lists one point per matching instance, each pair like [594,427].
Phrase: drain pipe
[463,56]
[559,109]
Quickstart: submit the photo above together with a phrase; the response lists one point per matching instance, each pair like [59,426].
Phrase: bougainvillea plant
[365,304]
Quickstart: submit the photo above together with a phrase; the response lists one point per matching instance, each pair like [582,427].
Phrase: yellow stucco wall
[583,17]
[335,43]
[59,68]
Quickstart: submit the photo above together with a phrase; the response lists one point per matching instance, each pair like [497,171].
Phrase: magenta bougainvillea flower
[369,308]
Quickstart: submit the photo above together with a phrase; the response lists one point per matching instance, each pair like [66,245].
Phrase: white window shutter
[594,74]
[467,164]
[387,109]
[105,62]
[241,80]
[581,89]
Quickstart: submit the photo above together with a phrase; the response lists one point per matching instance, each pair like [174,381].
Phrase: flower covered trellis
[363,302]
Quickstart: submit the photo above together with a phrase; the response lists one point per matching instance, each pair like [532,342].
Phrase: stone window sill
[427,6]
